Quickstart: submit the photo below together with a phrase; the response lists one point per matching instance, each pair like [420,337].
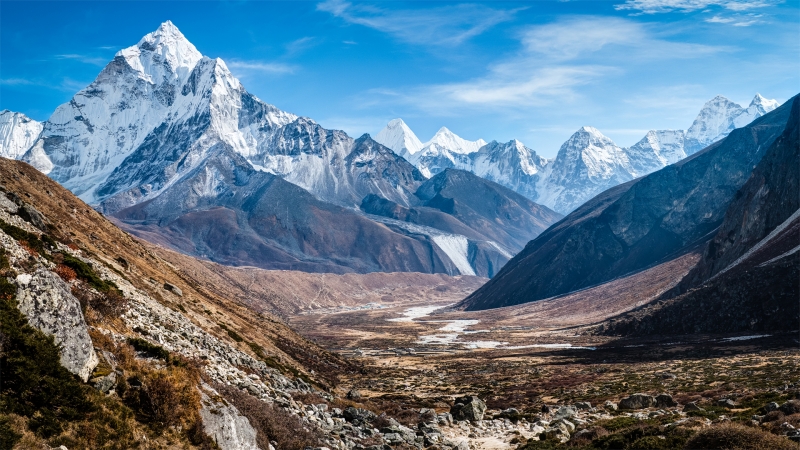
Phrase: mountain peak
[399,137]
[166,44]
[454,143]
[767,104]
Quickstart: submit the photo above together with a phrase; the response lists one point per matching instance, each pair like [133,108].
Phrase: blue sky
[535,71]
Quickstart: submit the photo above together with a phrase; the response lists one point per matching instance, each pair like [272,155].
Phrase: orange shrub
[66,273]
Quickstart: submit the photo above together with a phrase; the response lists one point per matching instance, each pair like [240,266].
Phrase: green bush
[234,335]
[153,350]
[35,384]
[31,239]
[86,273]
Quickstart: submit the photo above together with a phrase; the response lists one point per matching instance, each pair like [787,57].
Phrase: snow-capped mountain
[445,138]
[399,137]
[445,150]
[17,133]
[719,117]
[657,149]
[587,163]
[88,137]
[171,143]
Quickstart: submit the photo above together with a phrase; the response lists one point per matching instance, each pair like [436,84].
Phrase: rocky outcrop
[50,307]
[468,408]
[637,401]
[223,422]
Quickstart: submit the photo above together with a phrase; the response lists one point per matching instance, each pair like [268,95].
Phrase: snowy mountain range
[587,163]
[17,133]
[170,142]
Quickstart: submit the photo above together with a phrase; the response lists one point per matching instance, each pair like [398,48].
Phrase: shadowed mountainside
[637,224]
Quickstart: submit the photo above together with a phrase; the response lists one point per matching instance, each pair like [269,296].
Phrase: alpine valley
[184,266]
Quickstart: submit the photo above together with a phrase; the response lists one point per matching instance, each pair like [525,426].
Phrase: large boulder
[223,422]
[468,408]
[665,401]
[50,307]
[637,401]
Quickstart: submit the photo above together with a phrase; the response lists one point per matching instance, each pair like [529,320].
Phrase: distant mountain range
[702,201]
[171,144]
[587,163]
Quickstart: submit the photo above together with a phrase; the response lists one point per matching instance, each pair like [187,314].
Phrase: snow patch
[456,248]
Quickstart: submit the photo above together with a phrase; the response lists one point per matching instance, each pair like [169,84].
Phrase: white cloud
[554,61]
[444,25]
[17,82]
[737,20]
[664,6]
[86,59]
[301,44]
[260,66]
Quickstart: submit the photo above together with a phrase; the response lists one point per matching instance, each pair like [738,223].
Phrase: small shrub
[153,350]
[271,422]
[737,437]
[234,335]
[86,273]
[65,272]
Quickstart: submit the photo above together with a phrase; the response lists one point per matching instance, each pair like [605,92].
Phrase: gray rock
[353,394]
[557,432]
[224,423]
[665,401]
[174,289]
[566,412]
[50,307]
[468,408]
[637,401]
[610,406]
[583,405]
[352,414]
[769,407]
[106,383]
[8,205]
[33,216]
[692,406]
[726,402]
[790,407]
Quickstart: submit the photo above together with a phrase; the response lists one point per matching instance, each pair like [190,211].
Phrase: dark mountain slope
[637,224]
[747,278]
[770,196]
[492,210]
[230,213]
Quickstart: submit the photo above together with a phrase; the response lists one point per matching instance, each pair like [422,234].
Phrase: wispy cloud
[260,66]
[301,44]
[86,59]
[554,61]
[665,6]
[737,20]
[16,82]
[445,25]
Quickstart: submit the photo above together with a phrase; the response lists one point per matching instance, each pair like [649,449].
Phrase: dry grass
[738,437]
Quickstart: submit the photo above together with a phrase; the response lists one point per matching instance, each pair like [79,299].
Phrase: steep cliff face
[637,224]
[769,198]
[746,279]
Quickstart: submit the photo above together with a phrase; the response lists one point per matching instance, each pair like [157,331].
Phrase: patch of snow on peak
[454,143]
[399,137]
[166,44]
